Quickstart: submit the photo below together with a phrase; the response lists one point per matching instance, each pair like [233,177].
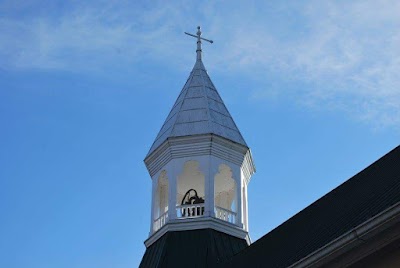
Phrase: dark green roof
[195,248]
[365,195]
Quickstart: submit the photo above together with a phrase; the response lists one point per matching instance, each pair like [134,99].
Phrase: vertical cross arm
[199,38]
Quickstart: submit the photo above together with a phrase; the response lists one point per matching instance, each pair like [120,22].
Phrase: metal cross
[199,38]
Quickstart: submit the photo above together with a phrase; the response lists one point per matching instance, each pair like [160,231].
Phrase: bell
[190,200]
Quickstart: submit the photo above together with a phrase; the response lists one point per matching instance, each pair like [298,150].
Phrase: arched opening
[190,191]
[225,194]
[161,201]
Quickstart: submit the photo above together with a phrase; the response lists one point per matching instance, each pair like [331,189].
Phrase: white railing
[225,214]
[190,211]
[160,221]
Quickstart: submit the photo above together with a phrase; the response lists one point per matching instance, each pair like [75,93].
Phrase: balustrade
[160,221]
[190,211]
[194,211]
[225,214]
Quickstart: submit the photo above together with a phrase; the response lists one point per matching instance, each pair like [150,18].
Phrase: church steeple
[200,166]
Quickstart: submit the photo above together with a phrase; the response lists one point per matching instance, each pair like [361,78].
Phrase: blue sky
[84,88]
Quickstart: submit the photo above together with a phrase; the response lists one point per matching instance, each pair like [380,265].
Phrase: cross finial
[199,38]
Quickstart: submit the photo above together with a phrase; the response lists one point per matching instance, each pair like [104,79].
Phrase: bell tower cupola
[199,163]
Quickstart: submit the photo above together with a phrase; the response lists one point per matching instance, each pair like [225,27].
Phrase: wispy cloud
[85,37]
[344,55]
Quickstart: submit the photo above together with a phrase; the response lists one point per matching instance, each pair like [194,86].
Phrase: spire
[199,108]
[199,38]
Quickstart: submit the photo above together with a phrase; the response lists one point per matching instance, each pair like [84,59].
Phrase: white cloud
[345,55]
[85,38]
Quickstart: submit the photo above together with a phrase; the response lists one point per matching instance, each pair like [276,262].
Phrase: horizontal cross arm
[211,41]
[191,34]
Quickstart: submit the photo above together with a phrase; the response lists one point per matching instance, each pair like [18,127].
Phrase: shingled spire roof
[198,109]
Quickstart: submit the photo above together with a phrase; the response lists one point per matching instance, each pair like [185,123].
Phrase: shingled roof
[195,248]
[198,109]
[357,200]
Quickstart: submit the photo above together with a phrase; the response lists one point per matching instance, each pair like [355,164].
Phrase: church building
[200,167]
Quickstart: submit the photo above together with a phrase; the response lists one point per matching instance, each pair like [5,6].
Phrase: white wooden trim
[199,145]
[195,210]
[173,171]
[199,223]
[160,221]
[153,195]
[225,214]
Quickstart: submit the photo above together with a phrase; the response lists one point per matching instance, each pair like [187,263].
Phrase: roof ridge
[228,113]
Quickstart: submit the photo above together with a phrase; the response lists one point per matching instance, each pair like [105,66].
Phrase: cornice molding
[199,223]
[199,145]
[248,167]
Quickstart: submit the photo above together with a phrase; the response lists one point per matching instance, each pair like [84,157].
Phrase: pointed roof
[198,109]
